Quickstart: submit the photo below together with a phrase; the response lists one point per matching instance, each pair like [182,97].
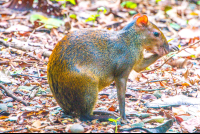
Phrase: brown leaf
[112,108]
[186,74]
[162,84]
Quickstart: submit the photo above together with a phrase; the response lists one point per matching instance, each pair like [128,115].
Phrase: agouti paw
[173,48]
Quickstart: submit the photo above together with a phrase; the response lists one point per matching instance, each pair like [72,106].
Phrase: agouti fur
[85,61]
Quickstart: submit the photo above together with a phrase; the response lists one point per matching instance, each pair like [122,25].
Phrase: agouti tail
[85,61]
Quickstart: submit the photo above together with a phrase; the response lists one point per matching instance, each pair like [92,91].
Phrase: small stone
[110,131]
[77,128]
[3,107]
[10,104]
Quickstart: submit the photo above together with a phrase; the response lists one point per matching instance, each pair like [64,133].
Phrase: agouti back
[85,61]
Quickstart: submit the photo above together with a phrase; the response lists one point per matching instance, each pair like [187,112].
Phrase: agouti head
[152,39]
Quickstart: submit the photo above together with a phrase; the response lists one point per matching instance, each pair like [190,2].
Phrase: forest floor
[164,97]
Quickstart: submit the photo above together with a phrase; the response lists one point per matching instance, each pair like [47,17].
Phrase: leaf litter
[159,99]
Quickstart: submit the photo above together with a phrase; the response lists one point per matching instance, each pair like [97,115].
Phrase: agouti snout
[85,61]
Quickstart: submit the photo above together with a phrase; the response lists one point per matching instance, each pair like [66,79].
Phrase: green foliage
[54,23]
[71,1]
[113,120]
[73,16]
[35,17]
[192,56]
[92,18]
[101,9]
[49,22]
[198,2]
[129,4]
[5,39]
[158,1]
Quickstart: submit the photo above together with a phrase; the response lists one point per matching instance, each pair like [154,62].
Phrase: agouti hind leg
[90,97]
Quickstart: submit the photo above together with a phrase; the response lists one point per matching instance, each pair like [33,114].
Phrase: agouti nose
[166,47]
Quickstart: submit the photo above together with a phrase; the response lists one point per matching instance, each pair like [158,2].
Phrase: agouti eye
[156,34]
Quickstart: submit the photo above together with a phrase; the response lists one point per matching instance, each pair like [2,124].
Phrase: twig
[34,31]
[147,71]
[28,76]
[148,90]
[11,95]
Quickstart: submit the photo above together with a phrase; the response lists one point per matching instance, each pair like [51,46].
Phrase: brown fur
[86,61]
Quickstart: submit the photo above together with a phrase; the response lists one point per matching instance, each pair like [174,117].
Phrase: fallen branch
[25,48]
[147,71]
[8,92]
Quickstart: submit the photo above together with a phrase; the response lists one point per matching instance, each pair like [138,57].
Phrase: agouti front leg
[121,89]
[146,62]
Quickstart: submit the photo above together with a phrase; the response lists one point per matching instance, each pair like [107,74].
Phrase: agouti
[85,61]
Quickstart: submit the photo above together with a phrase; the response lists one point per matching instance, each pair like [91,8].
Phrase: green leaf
[198,2]
[72,2]
[158,119]
[35,17]
[92,18]
[192,56]
[5,39]
[73,16]
[179,46]
[54,23]
[129,4]
[158,1]
[49,22]
[111,119]
[100,9]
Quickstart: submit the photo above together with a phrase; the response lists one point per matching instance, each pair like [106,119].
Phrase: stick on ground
[12,95]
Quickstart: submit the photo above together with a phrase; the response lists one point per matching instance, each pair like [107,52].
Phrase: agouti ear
[142,21]
[137,15]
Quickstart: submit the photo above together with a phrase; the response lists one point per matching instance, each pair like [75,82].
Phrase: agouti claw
[173,48]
